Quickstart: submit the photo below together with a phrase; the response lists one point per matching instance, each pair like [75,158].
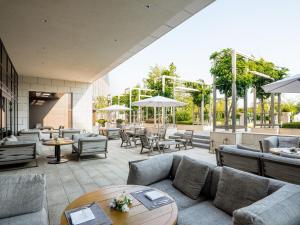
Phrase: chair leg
[142,150]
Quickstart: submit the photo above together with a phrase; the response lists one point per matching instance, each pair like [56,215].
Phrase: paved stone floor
[66,182]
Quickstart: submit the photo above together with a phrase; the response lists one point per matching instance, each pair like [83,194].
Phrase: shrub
[101,122]
[119,121]
[182,115]
[189,122]
[292,125]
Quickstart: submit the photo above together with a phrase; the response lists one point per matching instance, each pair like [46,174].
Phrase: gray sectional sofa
[23,200]
[273,202]
[263,164]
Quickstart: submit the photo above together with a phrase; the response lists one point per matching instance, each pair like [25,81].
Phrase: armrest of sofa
[151,170]
[281,207]
[269,142]
[21,194]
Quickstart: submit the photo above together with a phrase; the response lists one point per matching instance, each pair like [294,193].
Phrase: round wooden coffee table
[138,213]
[57,159]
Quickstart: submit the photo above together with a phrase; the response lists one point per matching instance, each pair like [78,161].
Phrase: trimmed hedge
[292,125]
[184,122]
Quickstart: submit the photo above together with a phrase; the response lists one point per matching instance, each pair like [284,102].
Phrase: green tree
[222,70]
[272,71]
[154,80]
[202,90]
[100,102]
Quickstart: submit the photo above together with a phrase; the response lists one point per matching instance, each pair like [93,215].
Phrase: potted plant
[119,123]
[101,122]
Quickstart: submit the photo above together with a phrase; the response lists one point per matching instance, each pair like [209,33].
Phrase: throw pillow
[190,177]
[238,189]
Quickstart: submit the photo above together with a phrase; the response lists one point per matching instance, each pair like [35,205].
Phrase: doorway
[48,109]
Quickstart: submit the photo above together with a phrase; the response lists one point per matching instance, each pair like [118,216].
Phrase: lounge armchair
[279,142]
[89,144]
[23,200]
[280,204]
[68,133]
[16,152]
[186,139]
[146,143]
[125,139]
[264,164]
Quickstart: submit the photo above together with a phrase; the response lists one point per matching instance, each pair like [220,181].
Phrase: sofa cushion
[176,161]
[244,147]
[21,194]
[204,213]
[36,218]
[288,142]
[269,142]
[282,207]
[150,171]
[190,177]
[237,189]
[181,199]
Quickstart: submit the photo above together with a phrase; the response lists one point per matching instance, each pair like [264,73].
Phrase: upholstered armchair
[68,133]
[279,142]
[89,144]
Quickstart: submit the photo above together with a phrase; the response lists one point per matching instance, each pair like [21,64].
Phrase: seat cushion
[182,200]
[20,194]
[204,213]
[37,218]
[237,189]
[288,142]
[190,177]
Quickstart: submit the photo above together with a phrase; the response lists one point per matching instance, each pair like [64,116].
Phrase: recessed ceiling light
[148,6]
[115,40]
[45,20]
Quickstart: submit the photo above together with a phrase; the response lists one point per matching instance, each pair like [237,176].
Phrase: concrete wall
[82,99]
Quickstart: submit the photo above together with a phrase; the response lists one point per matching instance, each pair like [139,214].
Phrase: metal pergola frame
[234,54]
[184,89]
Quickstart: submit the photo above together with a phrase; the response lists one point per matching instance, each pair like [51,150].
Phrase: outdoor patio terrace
[68,181]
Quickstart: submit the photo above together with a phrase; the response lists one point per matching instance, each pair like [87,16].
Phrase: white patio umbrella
[286,85]
[158,101]
[114,108]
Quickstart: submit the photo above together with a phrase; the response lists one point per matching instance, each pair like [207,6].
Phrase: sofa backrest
[274,185]
[241,159]
[282,168]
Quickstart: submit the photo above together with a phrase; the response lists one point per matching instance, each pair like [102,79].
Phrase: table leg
[57,159]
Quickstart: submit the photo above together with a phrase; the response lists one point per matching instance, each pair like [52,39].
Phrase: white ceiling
[84,39]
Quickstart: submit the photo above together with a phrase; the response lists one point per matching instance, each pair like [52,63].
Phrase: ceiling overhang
[84,40]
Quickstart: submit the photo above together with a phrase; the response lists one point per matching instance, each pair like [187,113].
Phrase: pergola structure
[178,86]
[234,54]
[182,88]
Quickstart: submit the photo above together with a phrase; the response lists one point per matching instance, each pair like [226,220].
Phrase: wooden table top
[137,215]
[58,142]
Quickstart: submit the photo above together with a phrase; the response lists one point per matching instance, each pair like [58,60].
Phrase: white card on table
[153,195]
[82,216]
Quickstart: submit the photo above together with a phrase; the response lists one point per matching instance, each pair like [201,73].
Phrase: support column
[214,103]
[202,109]
[246,110]
[234,73]
[254,107]
[272,111]
[154,115]
[130,114]
[279,109]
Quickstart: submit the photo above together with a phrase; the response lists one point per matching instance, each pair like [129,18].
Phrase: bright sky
[268,29]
